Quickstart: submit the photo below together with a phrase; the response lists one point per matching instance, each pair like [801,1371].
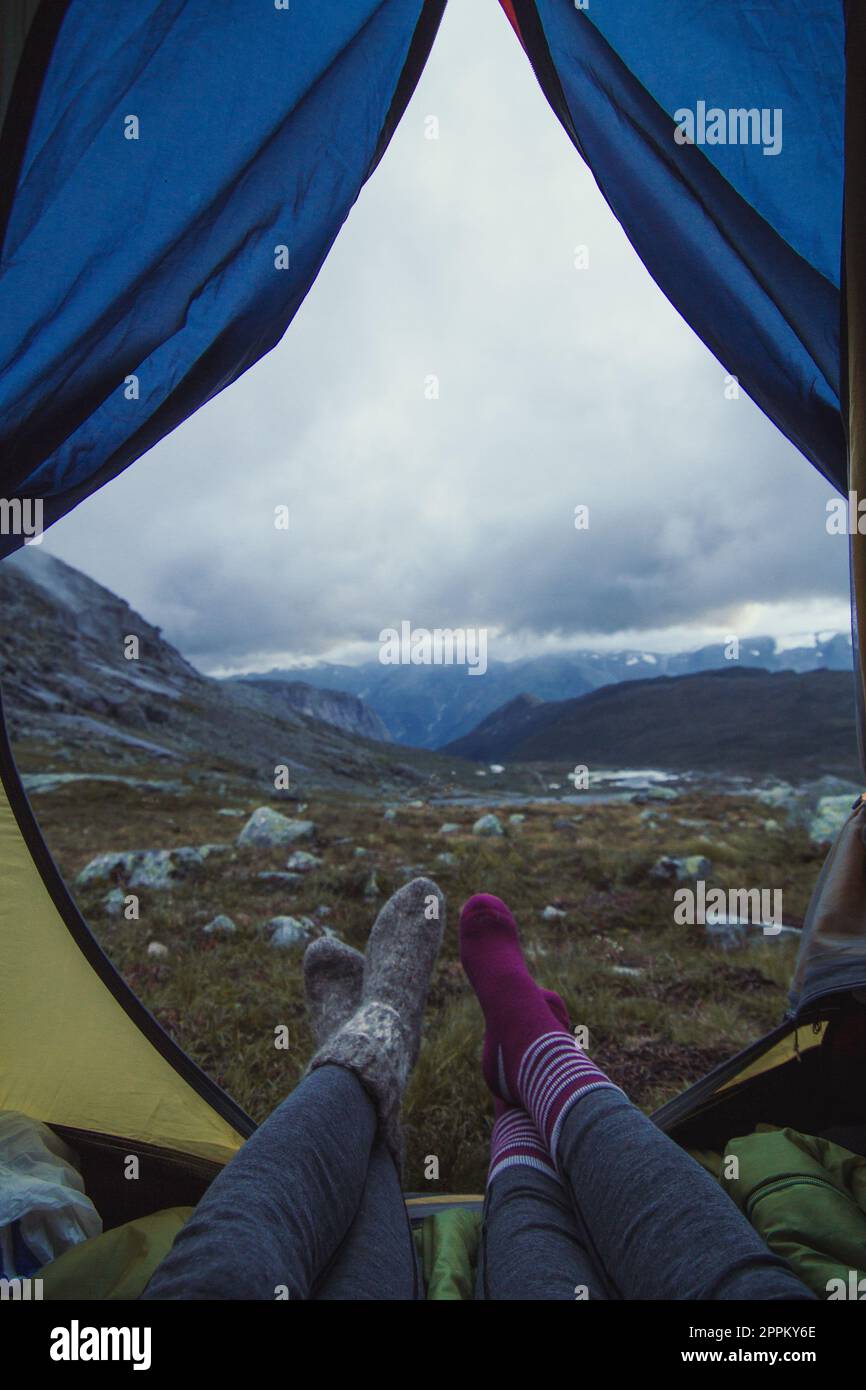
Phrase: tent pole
[854,334]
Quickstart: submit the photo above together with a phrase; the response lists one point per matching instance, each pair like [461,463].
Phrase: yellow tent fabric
[69,1052]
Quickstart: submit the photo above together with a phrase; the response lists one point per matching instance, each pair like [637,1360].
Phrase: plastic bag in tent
[43,1206]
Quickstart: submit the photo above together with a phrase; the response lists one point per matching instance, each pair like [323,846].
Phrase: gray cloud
[557,387]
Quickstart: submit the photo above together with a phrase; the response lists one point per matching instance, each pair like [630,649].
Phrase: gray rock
[286,932]
[654,794]
[229,811]
[113,903]
[302,861]
[220,926]
[770,826]
[302,830]
[156,950]
[517,818]
[488,826]
[143,868]
[448,859]
[163,868]
[631,971]
[104,867]
[552,914]
[207,851]
[390,814]
[278,879]
[830,815]
[35,782]
[449,828]
[360,852]
[671,870]
[268,829]
[778,794]
[729,933]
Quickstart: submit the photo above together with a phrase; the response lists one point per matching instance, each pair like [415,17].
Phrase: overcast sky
[558,387]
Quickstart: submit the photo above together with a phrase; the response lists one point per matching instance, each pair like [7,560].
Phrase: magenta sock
[516,1143]
[530,1057]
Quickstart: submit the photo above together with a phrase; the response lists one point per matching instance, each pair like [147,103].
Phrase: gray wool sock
[333,981]
[381,1041]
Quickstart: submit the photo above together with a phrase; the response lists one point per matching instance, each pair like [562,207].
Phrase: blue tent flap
[747,244]
[185,172]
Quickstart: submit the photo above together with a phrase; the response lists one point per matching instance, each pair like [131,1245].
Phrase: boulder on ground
[113,902]
[142,868]
[278,879]
[669,869]
[489,825]
[156,950]
[163,868]
[449,828]
[552,914]
[729,933]
[777,794]
[302,861]
[653,794]
[221,925]
[269,829]
[830,815]
[286,932]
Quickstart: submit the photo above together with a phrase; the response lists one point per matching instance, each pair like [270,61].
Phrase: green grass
[655,1032]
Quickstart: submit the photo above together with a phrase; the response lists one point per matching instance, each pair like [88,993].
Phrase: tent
[162,218]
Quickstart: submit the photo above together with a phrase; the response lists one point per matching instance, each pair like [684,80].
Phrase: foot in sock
[381,1040]
[333,980]
[530,1057]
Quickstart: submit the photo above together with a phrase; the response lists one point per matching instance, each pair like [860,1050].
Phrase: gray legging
[311,1207]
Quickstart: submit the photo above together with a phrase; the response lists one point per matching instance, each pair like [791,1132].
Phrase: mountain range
[739,720]
[432,706]
[75,693]
[76,690]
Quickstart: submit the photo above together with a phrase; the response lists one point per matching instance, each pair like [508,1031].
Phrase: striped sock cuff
[554,1073]
[515,1142]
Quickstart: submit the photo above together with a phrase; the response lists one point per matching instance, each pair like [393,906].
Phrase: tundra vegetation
[661,1001]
